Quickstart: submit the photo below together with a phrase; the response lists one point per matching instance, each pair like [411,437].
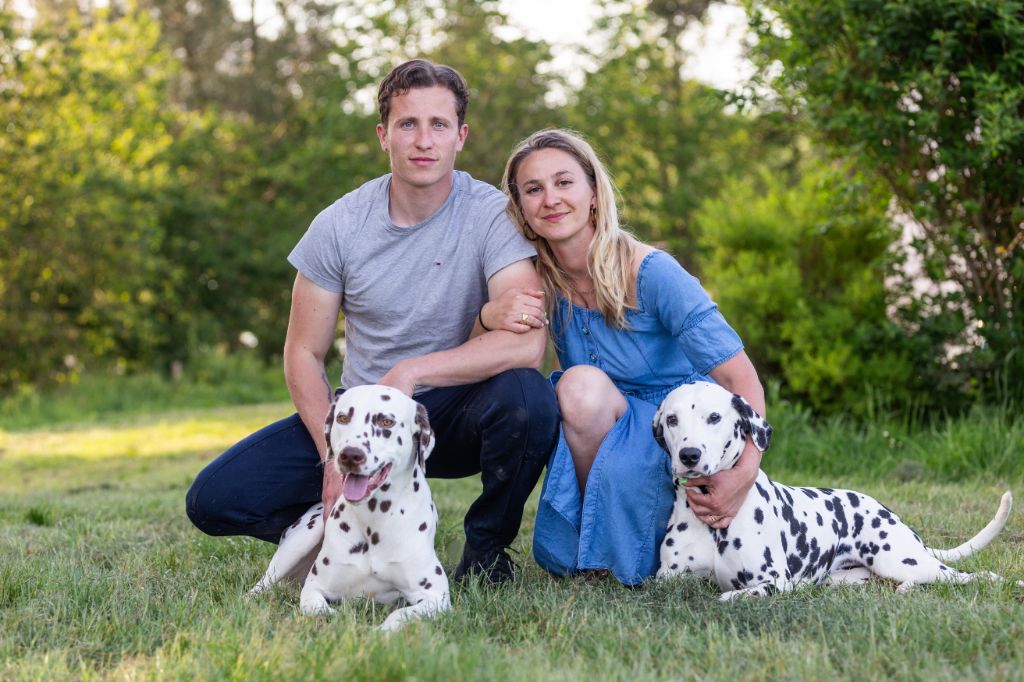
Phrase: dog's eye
[344,418]
[714,418]
[672,420]
[387,423]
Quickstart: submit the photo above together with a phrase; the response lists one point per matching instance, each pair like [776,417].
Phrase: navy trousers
[504,429]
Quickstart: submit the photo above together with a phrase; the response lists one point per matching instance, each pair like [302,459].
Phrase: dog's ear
[328,423]
[752,424]
[658,428]
[424,436]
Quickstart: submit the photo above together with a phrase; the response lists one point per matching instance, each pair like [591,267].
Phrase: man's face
[422,136]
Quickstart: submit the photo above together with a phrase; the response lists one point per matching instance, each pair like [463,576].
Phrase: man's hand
[726,491]
[402,376]
[516,310]
[332,487]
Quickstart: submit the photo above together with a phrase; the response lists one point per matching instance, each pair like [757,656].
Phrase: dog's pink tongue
[355,487]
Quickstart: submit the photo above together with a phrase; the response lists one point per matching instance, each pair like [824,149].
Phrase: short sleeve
[686,311]
[503,244]
[318,255]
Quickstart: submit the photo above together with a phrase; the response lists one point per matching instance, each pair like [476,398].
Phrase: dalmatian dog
[784,537]
[378,540]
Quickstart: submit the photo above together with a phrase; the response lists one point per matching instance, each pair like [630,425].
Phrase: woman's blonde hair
[610,255]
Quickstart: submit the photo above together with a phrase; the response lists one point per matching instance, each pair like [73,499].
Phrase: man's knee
[205,501]
[529,392]
[524,403]
[197,505]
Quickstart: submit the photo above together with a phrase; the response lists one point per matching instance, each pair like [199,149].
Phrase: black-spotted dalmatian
[783,536]
[378,541]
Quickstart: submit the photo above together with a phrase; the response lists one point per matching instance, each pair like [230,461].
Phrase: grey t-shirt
[407,291]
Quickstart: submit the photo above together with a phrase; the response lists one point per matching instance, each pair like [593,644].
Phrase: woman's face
[555,196]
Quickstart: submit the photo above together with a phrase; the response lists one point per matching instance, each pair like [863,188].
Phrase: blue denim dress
[675,336]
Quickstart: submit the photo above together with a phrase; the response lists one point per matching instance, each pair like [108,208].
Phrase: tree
[275,177]
[506,81]
[929,94]
[670,143]
[82,171]
[650,125]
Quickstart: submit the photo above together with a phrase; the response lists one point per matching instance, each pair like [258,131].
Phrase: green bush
[800,272]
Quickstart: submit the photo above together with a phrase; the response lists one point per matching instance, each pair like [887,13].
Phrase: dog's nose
[689,456]
[351,456]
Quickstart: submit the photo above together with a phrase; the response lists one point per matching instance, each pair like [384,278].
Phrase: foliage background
[856,210]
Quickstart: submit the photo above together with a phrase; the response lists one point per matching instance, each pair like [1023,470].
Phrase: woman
[629,325]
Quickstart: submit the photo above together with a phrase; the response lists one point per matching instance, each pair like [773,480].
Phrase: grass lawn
[103,577]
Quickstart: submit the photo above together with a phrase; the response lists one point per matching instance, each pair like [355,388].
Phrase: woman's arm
[727,489]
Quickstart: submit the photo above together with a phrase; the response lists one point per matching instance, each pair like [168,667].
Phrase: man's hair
[419,73]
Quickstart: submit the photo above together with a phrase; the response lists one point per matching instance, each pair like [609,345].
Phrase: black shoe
[595,575]
[495,566]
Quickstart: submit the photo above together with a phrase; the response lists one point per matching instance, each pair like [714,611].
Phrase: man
[410,258]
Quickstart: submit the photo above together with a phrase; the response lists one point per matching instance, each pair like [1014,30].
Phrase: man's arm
[311,327]
[482,356]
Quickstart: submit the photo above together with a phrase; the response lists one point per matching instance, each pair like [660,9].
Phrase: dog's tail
[981,539]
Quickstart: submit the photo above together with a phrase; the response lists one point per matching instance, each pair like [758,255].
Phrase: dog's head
[374,430]
[704,428]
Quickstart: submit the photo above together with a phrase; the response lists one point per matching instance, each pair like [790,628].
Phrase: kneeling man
[409,258]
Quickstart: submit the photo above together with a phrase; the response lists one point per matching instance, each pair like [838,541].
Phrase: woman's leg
[590,405]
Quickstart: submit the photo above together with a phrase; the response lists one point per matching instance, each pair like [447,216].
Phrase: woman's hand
[726,490]
[516,310]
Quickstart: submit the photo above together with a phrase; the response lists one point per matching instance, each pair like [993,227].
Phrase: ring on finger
[524,318]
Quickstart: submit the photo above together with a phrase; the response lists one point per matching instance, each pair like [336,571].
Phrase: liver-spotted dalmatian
[378,541]
[783,537]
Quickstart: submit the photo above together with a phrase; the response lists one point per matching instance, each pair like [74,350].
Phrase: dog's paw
[314,604]
[265,584]
[317,610]
[667,573]
[392,623]
[761,590]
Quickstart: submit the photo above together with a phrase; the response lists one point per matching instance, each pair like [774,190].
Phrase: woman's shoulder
[661,275]
[652,265]
[641,257]
[641,253]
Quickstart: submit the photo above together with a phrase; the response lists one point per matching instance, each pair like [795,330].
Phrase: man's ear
[751,423]
[424,436]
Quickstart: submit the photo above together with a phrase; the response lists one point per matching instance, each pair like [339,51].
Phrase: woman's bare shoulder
[640,251]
